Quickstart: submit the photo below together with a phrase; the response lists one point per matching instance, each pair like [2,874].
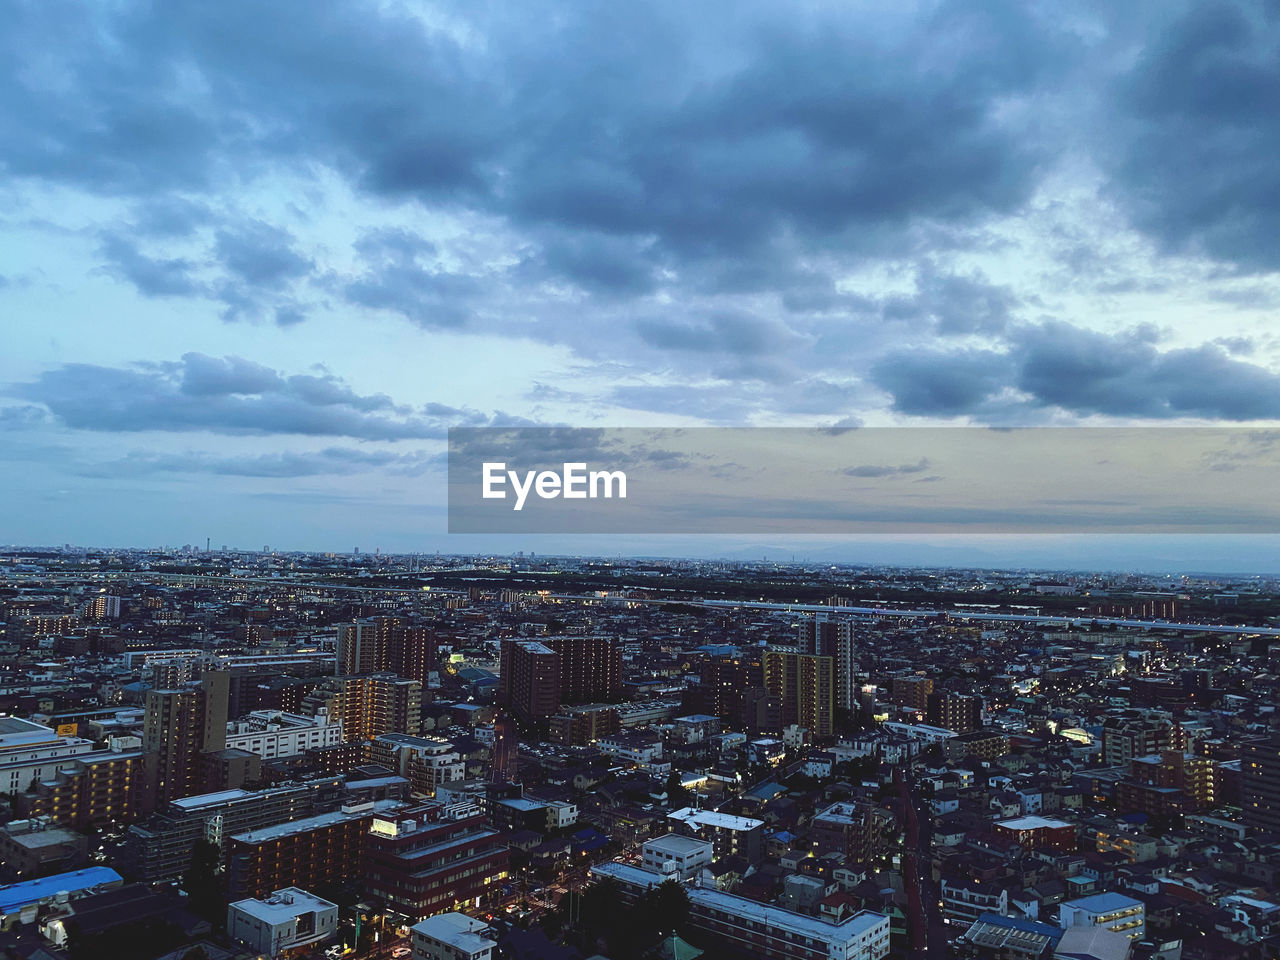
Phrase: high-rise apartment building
[97,788]
[1260,783]
[530,679]
[834,638]
[805,687]
[160,848]
[590,668]
[386,645]
[1135,734]
[312,852]
[722,684]
[179,727]
[912,692]
[818,635]
[960,712]
[538,675]
[368,705]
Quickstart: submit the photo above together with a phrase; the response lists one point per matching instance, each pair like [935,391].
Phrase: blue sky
[255,259]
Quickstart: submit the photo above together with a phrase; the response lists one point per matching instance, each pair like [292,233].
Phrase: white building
[760,930]
[680,857]
[272,733]
[636,747]
[729,835]
[1112,911]
[427,762]
[30,752]
[288,919]
[965,902]
[695,728]
[923,732]
[453,936]
[561,814]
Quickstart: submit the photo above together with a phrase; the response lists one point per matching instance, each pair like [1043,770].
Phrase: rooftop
[1032,823]
[862,922]
[209,799]
[712,818]
[457,930]
[1104,903]
[283,905]
[15,896]
[676,845]
[319,821]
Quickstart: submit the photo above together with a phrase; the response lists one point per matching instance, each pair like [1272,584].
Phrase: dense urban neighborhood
[210,754]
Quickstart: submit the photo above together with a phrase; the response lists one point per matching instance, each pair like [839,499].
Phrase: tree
[668,906]
[678,794]
[204,884]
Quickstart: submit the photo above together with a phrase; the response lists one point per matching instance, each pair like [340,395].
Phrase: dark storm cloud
[820,132]
[402,274]
[596,262]
[955,304]
[251,267]
[259,265]
[151,276]
[614,140]
[170,216]
[1195,164]
[259,255]
[936,383]
[231,396]
[1057,365]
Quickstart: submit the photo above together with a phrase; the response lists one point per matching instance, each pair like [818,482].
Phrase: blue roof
[587,846]
[1103,902]
[18,895]
[766,791]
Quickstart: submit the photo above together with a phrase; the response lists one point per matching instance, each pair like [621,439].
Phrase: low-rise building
[20,902]
[729,835]
[964,901]
[453,936]
[1114,911]
[755,929]
[677,856]
[1039,833]
[290,918]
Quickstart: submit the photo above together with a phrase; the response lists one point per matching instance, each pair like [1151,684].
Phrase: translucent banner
[863,480]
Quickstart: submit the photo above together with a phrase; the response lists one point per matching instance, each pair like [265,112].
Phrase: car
[401,951]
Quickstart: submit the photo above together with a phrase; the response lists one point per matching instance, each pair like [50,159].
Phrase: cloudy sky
[256,258]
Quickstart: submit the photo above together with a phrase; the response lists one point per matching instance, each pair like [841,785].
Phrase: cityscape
[228,754]
[562,480]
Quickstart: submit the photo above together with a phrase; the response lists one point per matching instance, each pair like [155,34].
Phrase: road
[926,931]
